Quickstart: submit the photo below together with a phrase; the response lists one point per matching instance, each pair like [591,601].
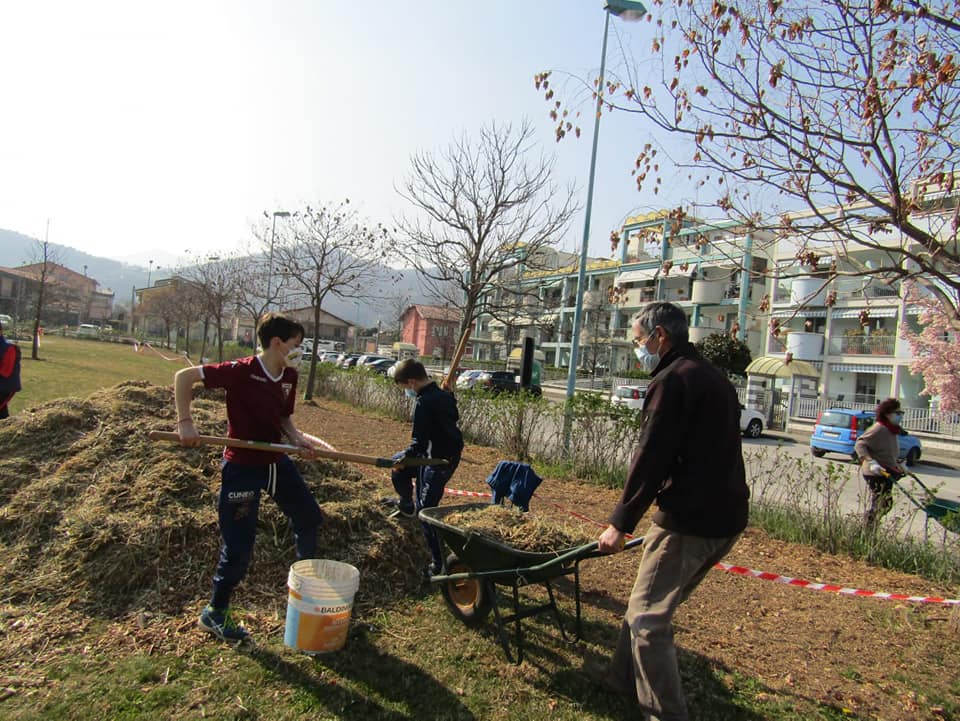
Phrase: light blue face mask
[409,393]
[897,419]
[648,361]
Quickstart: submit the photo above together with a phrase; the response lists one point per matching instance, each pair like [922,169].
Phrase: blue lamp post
[628,10]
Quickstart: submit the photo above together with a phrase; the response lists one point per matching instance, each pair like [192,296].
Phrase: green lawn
[78,367]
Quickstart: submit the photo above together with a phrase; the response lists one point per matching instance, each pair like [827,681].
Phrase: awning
[878,312]
[636,276]
[772,366]
[802,313]
[517,353]
[860,368]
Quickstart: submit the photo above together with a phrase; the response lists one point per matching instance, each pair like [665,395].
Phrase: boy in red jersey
[260,396]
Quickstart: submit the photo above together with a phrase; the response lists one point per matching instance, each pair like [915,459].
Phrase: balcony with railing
[855,344]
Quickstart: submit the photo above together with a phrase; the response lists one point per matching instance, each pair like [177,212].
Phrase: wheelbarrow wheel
[469,599]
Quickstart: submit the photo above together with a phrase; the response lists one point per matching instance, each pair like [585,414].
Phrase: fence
[917,420]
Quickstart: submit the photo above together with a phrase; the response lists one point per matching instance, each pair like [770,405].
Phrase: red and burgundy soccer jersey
[256,404]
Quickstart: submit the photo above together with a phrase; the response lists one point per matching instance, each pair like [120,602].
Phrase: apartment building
[730,281]
[698,266]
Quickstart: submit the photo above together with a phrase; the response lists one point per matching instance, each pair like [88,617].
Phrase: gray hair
[666,315]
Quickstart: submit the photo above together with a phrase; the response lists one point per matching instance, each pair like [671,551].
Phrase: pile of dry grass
[95,515]
[522,531]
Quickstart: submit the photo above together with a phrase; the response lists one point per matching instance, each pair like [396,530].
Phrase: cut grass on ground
[71,367]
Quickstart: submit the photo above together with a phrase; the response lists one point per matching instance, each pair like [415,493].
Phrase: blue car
[837,431]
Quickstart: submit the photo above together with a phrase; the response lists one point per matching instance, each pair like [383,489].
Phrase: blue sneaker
[220,622]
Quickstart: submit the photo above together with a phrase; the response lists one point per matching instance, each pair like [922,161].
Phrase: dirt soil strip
[854,652]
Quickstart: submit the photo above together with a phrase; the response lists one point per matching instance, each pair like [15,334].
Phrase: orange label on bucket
[322,633]
[316,628]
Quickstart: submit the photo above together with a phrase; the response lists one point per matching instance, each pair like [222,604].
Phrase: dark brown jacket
[689,459]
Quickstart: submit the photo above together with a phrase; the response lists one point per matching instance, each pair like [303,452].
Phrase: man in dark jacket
[435,435]
[689,461]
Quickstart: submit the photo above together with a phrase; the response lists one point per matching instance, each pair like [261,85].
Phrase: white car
[629,396]
[751,421]
[469,378]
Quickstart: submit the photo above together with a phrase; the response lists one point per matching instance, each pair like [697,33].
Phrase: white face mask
[409,393]
[294,357]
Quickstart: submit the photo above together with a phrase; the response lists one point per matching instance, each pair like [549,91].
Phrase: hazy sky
[146,129]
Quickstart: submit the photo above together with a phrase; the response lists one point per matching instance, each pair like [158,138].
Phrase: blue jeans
[238,508]
[424,486]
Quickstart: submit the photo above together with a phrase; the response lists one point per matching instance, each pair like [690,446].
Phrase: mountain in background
[379,305]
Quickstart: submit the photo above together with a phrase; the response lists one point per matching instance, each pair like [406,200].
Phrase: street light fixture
[628,10]
[273,235]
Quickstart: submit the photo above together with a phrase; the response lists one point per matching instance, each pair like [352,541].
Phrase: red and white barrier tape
[832,588]
[766,575]
[472,494]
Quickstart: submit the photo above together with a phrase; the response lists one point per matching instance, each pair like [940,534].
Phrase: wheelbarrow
[942,510]
[477,565]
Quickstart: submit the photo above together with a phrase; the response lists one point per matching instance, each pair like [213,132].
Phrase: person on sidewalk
[435,435]
[878,450]
[690,463]
[9,373]
[261,391]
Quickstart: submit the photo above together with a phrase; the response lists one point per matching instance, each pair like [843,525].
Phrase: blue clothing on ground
[514,481]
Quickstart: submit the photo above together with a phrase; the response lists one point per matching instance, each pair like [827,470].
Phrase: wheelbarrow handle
[589,550]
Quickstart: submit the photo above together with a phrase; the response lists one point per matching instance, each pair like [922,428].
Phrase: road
[938,473]
[780,467]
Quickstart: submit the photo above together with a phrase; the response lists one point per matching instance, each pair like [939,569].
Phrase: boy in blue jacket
[435,435]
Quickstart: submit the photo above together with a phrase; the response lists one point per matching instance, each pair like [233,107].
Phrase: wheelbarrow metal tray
[484,554]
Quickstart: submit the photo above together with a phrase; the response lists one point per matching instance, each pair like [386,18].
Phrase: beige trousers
[672,565]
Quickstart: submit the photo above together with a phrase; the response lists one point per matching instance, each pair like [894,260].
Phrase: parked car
[751,422]
[88,330]
[837,430]
[469,378]
[500,381]
[347,360]
[369,358]
[629,396]
[381,365]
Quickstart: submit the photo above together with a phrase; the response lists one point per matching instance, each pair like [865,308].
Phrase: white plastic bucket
[319,604]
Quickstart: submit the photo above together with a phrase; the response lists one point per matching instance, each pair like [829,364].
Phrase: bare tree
[164,303]
[257,291]
[835,124]
[329,250]
[396,305]
[484,211]
[216,280]
[46,259]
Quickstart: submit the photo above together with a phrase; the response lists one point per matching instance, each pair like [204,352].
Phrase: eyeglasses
[639,342]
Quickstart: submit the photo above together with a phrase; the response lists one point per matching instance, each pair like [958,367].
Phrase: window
[866,386]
